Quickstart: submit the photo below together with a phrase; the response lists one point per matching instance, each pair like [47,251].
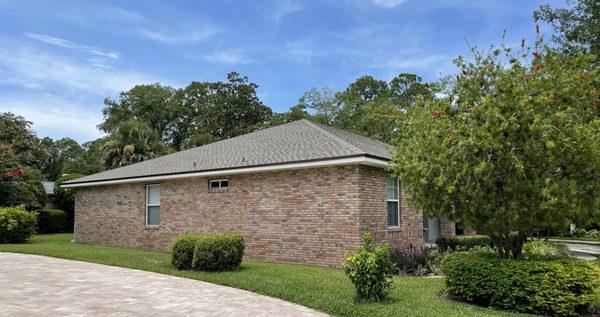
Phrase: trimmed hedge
[462,243]
[183,251]
[557,286]
[16,224]
[52,221]
[218,252]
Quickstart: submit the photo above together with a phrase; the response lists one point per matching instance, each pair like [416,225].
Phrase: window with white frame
[153,205]
[216,184]
[393,202]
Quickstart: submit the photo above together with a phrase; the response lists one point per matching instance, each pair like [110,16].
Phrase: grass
[324,289]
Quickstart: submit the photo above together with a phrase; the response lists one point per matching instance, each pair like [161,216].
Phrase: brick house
[298,192]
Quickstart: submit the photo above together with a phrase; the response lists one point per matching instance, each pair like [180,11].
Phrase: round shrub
[557,286]
[16,224]
[218,252]
[462,243]
[52,221]
[183,251]
[370,269]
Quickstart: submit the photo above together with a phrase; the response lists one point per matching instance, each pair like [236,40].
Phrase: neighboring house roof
[48,187]
[300,143]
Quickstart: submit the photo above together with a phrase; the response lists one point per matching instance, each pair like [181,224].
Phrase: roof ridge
[341,140]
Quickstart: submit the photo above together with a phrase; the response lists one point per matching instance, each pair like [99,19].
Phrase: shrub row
[462,243]
[212,252]
[559,286]
[16,224]
[52,221]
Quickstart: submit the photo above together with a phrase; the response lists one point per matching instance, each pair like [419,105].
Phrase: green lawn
[323,289]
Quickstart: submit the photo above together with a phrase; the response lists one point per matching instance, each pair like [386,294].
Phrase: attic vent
[243,159]
[194,164]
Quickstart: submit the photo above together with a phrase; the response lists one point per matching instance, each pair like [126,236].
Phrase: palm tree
[133,142]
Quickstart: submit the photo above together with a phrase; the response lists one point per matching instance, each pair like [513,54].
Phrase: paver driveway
[32,285]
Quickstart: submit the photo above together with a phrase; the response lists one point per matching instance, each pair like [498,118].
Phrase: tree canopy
[513,145]
[575,27]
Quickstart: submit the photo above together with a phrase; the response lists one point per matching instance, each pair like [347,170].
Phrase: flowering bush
[370,269]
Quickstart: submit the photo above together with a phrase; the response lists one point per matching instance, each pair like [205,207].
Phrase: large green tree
[512,147]
[60,153]
[155,105]
[17,132]
[576,26]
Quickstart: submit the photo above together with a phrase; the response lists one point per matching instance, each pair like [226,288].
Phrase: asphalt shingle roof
[296,141]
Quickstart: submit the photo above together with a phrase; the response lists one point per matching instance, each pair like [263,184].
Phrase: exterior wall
[447,227]
[374,213]
[307,216]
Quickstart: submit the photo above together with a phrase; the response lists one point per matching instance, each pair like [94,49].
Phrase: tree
[16,131]
[577,27]
[154,105]
[60,152]
[513,146]
[133,142]
[88,161]
[321,105]
[19,185]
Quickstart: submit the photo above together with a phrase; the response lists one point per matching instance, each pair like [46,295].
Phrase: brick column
[447,227]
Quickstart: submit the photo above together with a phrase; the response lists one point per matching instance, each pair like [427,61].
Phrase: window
[219,184]
[393,202]
[152,205]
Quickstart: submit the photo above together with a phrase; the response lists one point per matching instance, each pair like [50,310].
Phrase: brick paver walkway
[32,285]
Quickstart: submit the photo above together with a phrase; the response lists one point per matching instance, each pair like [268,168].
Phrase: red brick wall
[447,227]
[306,216]
[374,212]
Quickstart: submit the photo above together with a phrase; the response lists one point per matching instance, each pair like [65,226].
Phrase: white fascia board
[242,170]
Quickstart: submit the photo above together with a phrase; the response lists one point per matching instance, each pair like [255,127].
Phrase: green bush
[558,286]
[217,252]
[462,243]
[183,251]
[52,221]
[544,248]
[16,224]
[370,269]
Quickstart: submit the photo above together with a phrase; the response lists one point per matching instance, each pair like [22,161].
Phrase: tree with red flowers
[512,147]
[20,156]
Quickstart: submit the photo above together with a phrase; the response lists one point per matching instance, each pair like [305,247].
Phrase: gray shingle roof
[296,141]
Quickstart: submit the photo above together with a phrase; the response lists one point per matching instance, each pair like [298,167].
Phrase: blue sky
[60,59]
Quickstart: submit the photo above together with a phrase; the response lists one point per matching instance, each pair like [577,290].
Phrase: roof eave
[361,159]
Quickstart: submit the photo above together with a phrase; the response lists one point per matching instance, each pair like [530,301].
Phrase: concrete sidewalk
[33,285]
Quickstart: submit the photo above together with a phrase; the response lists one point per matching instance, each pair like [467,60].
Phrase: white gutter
[363,160]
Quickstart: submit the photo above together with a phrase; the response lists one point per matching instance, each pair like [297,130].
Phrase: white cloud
[388,3]
[34,69]
[56,41]
[414,62]
[229,57]
[178,37]
[54,116]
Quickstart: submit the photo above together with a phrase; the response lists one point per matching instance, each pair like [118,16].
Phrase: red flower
[29,199]
[21,172]
[471,72]
[451,133]
[583,78]
[538,67]
[550,97]
[469,109]
[525,79]
[8,175]
[536,54]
